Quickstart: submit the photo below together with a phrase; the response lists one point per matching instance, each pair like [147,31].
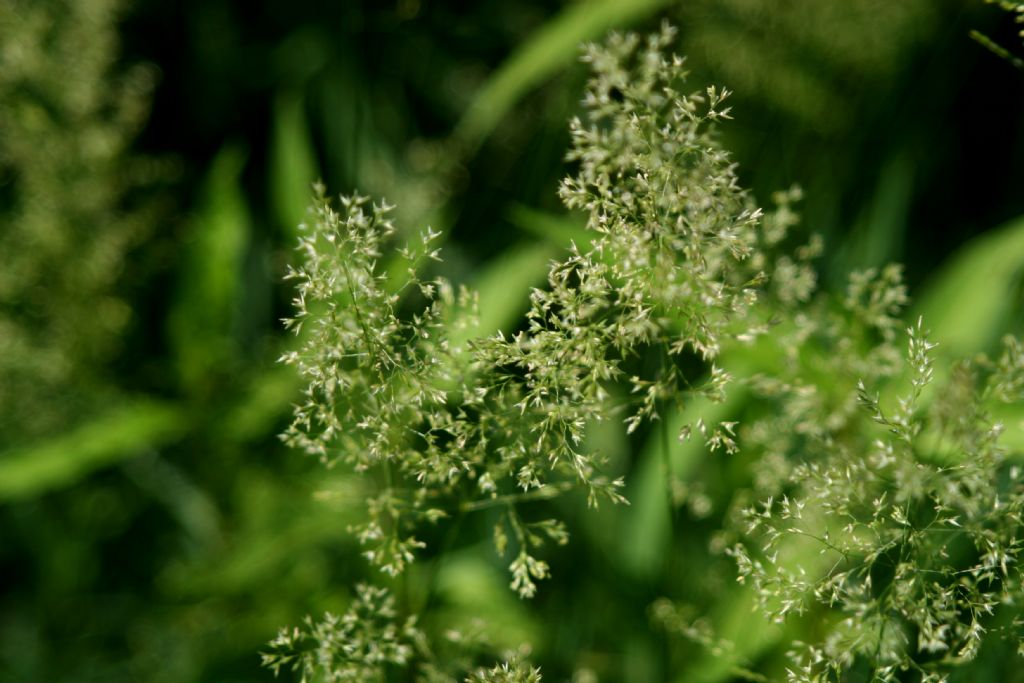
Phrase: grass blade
[34,470]
[547,52]
[293,166]
[976,296]
[203,317]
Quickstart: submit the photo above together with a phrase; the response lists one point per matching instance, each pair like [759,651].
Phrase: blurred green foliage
[155,159]
[69,207]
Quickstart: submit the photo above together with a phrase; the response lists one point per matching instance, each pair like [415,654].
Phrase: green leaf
[293,166]
[122,433]
[976,294]
[276,525]
[561,230]
[738,621]
[647,527]
[503,287]
[356,153]
[876,238]
[503,284]
[548,51]
[267,398]
[465,582]
[203,316]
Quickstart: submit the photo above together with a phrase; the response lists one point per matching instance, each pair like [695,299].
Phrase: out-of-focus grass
[203,320]
[978,294]
[62,461]
[546,52]
[292,165]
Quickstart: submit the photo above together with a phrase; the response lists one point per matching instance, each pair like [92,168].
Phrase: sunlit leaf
[976,296]
[121,434]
